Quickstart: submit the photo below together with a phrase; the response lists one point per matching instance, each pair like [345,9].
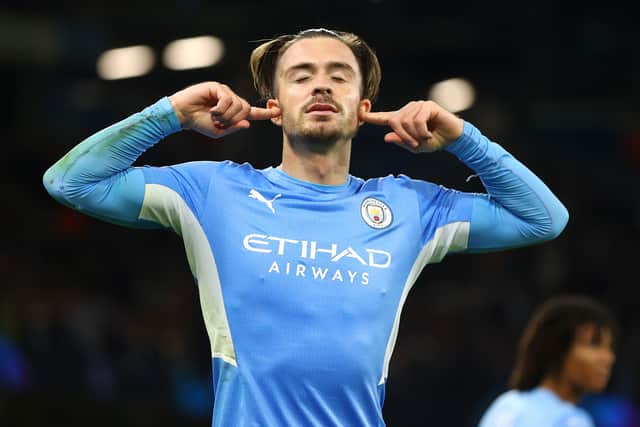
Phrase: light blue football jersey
[534,408]
[301,285]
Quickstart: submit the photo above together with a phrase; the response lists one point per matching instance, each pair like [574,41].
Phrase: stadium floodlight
[125,62]
[194,52]
[453,94]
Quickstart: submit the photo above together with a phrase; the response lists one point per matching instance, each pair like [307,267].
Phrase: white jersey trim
[451,237]
[164,206]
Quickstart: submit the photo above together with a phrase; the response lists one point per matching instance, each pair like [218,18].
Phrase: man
[302,268]
[566,350]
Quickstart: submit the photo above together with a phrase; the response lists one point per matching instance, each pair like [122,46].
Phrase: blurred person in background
[302,268]
[565,351]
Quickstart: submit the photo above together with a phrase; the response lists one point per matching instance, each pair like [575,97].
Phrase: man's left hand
[419,126]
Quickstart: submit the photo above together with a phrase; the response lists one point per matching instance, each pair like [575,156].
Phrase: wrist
[182,119]
[163,113]
[468,142]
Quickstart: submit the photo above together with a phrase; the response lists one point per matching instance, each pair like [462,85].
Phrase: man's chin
[322,136]
[320,142]
[327,132]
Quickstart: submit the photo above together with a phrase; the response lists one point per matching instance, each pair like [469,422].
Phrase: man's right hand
[213,109]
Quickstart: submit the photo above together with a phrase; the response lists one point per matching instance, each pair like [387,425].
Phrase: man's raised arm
[97,177]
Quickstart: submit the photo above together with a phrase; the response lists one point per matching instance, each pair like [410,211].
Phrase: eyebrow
[331,66]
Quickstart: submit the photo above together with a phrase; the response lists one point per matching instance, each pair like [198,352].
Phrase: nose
[322,90]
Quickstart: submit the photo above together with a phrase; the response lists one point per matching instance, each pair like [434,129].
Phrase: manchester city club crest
[376,213]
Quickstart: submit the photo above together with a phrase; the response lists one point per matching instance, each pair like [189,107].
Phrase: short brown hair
[264,60]
[549,335]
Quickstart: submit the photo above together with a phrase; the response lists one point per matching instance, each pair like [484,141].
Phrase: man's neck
[561,388]
[327,168]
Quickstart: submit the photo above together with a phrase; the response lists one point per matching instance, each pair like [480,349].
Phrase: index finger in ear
[377,118]
[257,113]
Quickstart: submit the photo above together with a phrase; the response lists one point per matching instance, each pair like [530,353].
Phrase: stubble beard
[316,135]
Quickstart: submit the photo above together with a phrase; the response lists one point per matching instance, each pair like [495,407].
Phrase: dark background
[101,325]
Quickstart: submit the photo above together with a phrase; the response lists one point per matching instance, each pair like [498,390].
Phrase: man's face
[318,86]
[589,361]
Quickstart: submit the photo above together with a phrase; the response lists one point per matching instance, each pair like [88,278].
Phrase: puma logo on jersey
[254,194]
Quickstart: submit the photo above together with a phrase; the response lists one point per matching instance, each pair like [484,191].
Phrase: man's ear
[274,103]
[363,107]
